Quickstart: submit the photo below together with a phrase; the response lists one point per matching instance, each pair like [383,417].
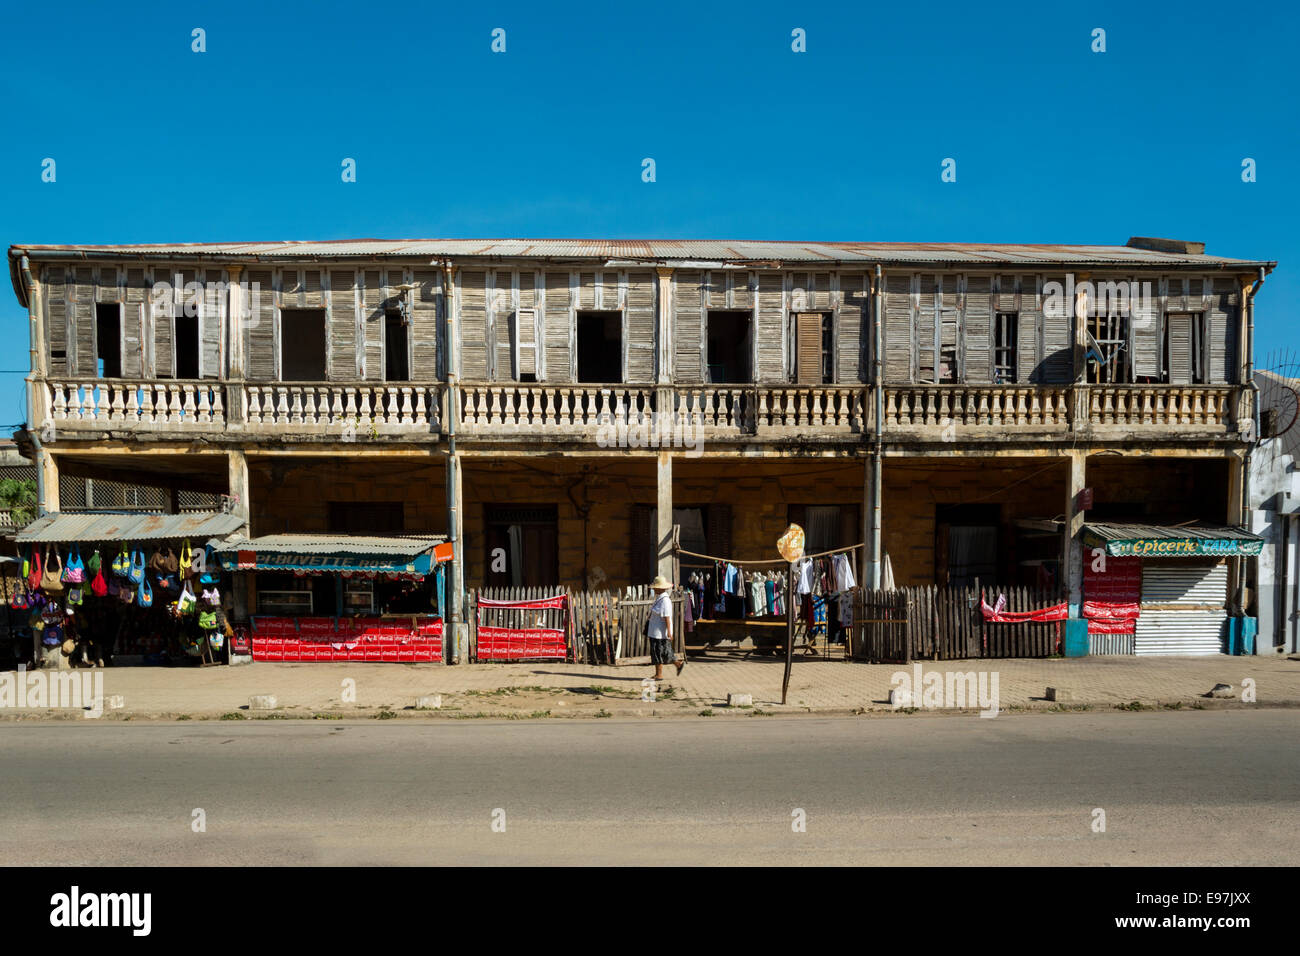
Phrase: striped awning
[1172,541]
[328,553]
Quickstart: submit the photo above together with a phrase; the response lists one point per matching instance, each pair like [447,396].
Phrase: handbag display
[171,563]
[19,601]
[52,579]
[208,620]
[74,572]
[137,567]
[167,582]
[122,563]
[98,586]
[144,593]
[186,560]
[95,563]
[74,596]
[156,562]
[34,575]
[186,603]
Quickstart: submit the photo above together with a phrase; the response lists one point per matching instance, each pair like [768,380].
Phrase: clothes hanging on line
[844,579]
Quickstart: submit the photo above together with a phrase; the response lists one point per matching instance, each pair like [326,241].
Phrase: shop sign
[1184,547]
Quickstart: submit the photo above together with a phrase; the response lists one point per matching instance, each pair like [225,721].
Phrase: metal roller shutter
[1197,629]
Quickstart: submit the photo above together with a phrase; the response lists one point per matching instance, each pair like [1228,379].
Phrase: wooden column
[236,403]
[664,350]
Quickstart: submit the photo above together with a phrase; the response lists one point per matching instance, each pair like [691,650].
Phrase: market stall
[1162,589]
[318,597]
[124,588]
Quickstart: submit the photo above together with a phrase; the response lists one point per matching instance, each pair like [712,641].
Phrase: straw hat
[660,583]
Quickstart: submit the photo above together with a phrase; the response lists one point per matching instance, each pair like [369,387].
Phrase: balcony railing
[385,409]
[719,411]
[568,412]
[98,405]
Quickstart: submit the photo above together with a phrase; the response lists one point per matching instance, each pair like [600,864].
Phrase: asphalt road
[1188,788]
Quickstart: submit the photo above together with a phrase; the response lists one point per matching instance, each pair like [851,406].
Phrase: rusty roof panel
[660,250]
[66,527]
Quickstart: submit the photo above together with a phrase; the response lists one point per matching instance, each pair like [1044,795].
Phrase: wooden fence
[945,623]
[602,627]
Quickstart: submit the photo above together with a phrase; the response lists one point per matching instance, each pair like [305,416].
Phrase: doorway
[600,347]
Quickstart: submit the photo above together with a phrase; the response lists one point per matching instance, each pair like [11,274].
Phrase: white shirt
[659,613]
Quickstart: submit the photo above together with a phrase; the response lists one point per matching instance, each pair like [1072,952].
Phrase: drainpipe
[40,474]
[1243,511]
[456,582]
[877,381]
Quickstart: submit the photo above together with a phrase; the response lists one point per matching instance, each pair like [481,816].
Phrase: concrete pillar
[239,490]
[1238,571]
[664,340]
[457,626]
[1072,556]
[48,500]
[664,515]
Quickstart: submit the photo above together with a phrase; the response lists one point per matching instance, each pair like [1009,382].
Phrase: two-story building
[556,407]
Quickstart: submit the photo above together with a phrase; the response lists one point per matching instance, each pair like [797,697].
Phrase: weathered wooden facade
[576,391]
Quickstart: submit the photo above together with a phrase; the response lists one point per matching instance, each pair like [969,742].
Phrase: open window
[397,349]
[1005,330]
[108,339]
[814,348]
[302,345]
[600,347]
[1108,357]
[966,544]
[730,346]
[186,342]
[522,546]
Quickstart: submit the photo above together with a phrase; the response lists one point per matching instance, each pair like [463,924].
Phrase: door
[522,547]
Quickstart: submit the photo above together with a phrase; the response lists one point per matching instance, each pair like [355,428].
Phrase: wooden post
[664,554]
[789,631]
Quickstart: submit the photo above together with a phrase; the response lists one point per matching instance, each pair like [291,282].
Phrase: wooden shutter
[343,325]
[133,323]
[927,329]
[424,323]
[559,319]
[259,329]
[1179,326]
[82,304]
[525,329]
[212,308]
[688,346]
[473,326]
[718,518]
[808,349]
[898,328]
[978,361]
[641,320]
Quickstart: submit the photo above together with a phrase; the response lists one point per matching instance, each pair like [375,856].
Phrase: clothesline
[778,561]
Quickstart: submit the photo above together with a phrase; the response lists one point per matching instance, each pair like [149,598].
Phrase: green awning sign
[1189,547]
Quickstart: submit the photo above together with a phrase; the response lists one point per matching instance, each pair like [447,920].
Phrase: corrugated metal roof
[1126,532]
[98,526]
[386,546]
[657,250]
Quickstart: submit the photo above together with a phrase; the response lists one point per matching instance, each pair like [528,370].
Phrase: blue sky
[1054,143]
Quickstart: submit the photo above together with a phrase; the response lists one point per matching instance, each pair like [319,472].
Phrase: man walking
[660,628]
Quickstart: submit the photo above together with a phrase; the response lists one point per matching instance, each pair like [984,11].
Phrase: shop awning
[74,527]
[1172,541]
[399,554]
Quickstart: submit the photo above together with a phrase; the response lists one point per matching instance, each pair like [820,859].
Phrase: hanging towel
[844,573]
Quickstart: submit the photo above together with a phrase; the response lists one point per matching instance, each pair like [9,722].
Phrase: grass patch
[512,691]
[759,712]
[385,715]
[1175,705]
[326,716]
[184,717]
[271,717]
[1067,708]
[233,715]
[706,713]
[603,713]
[535,715]
[1133,705]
